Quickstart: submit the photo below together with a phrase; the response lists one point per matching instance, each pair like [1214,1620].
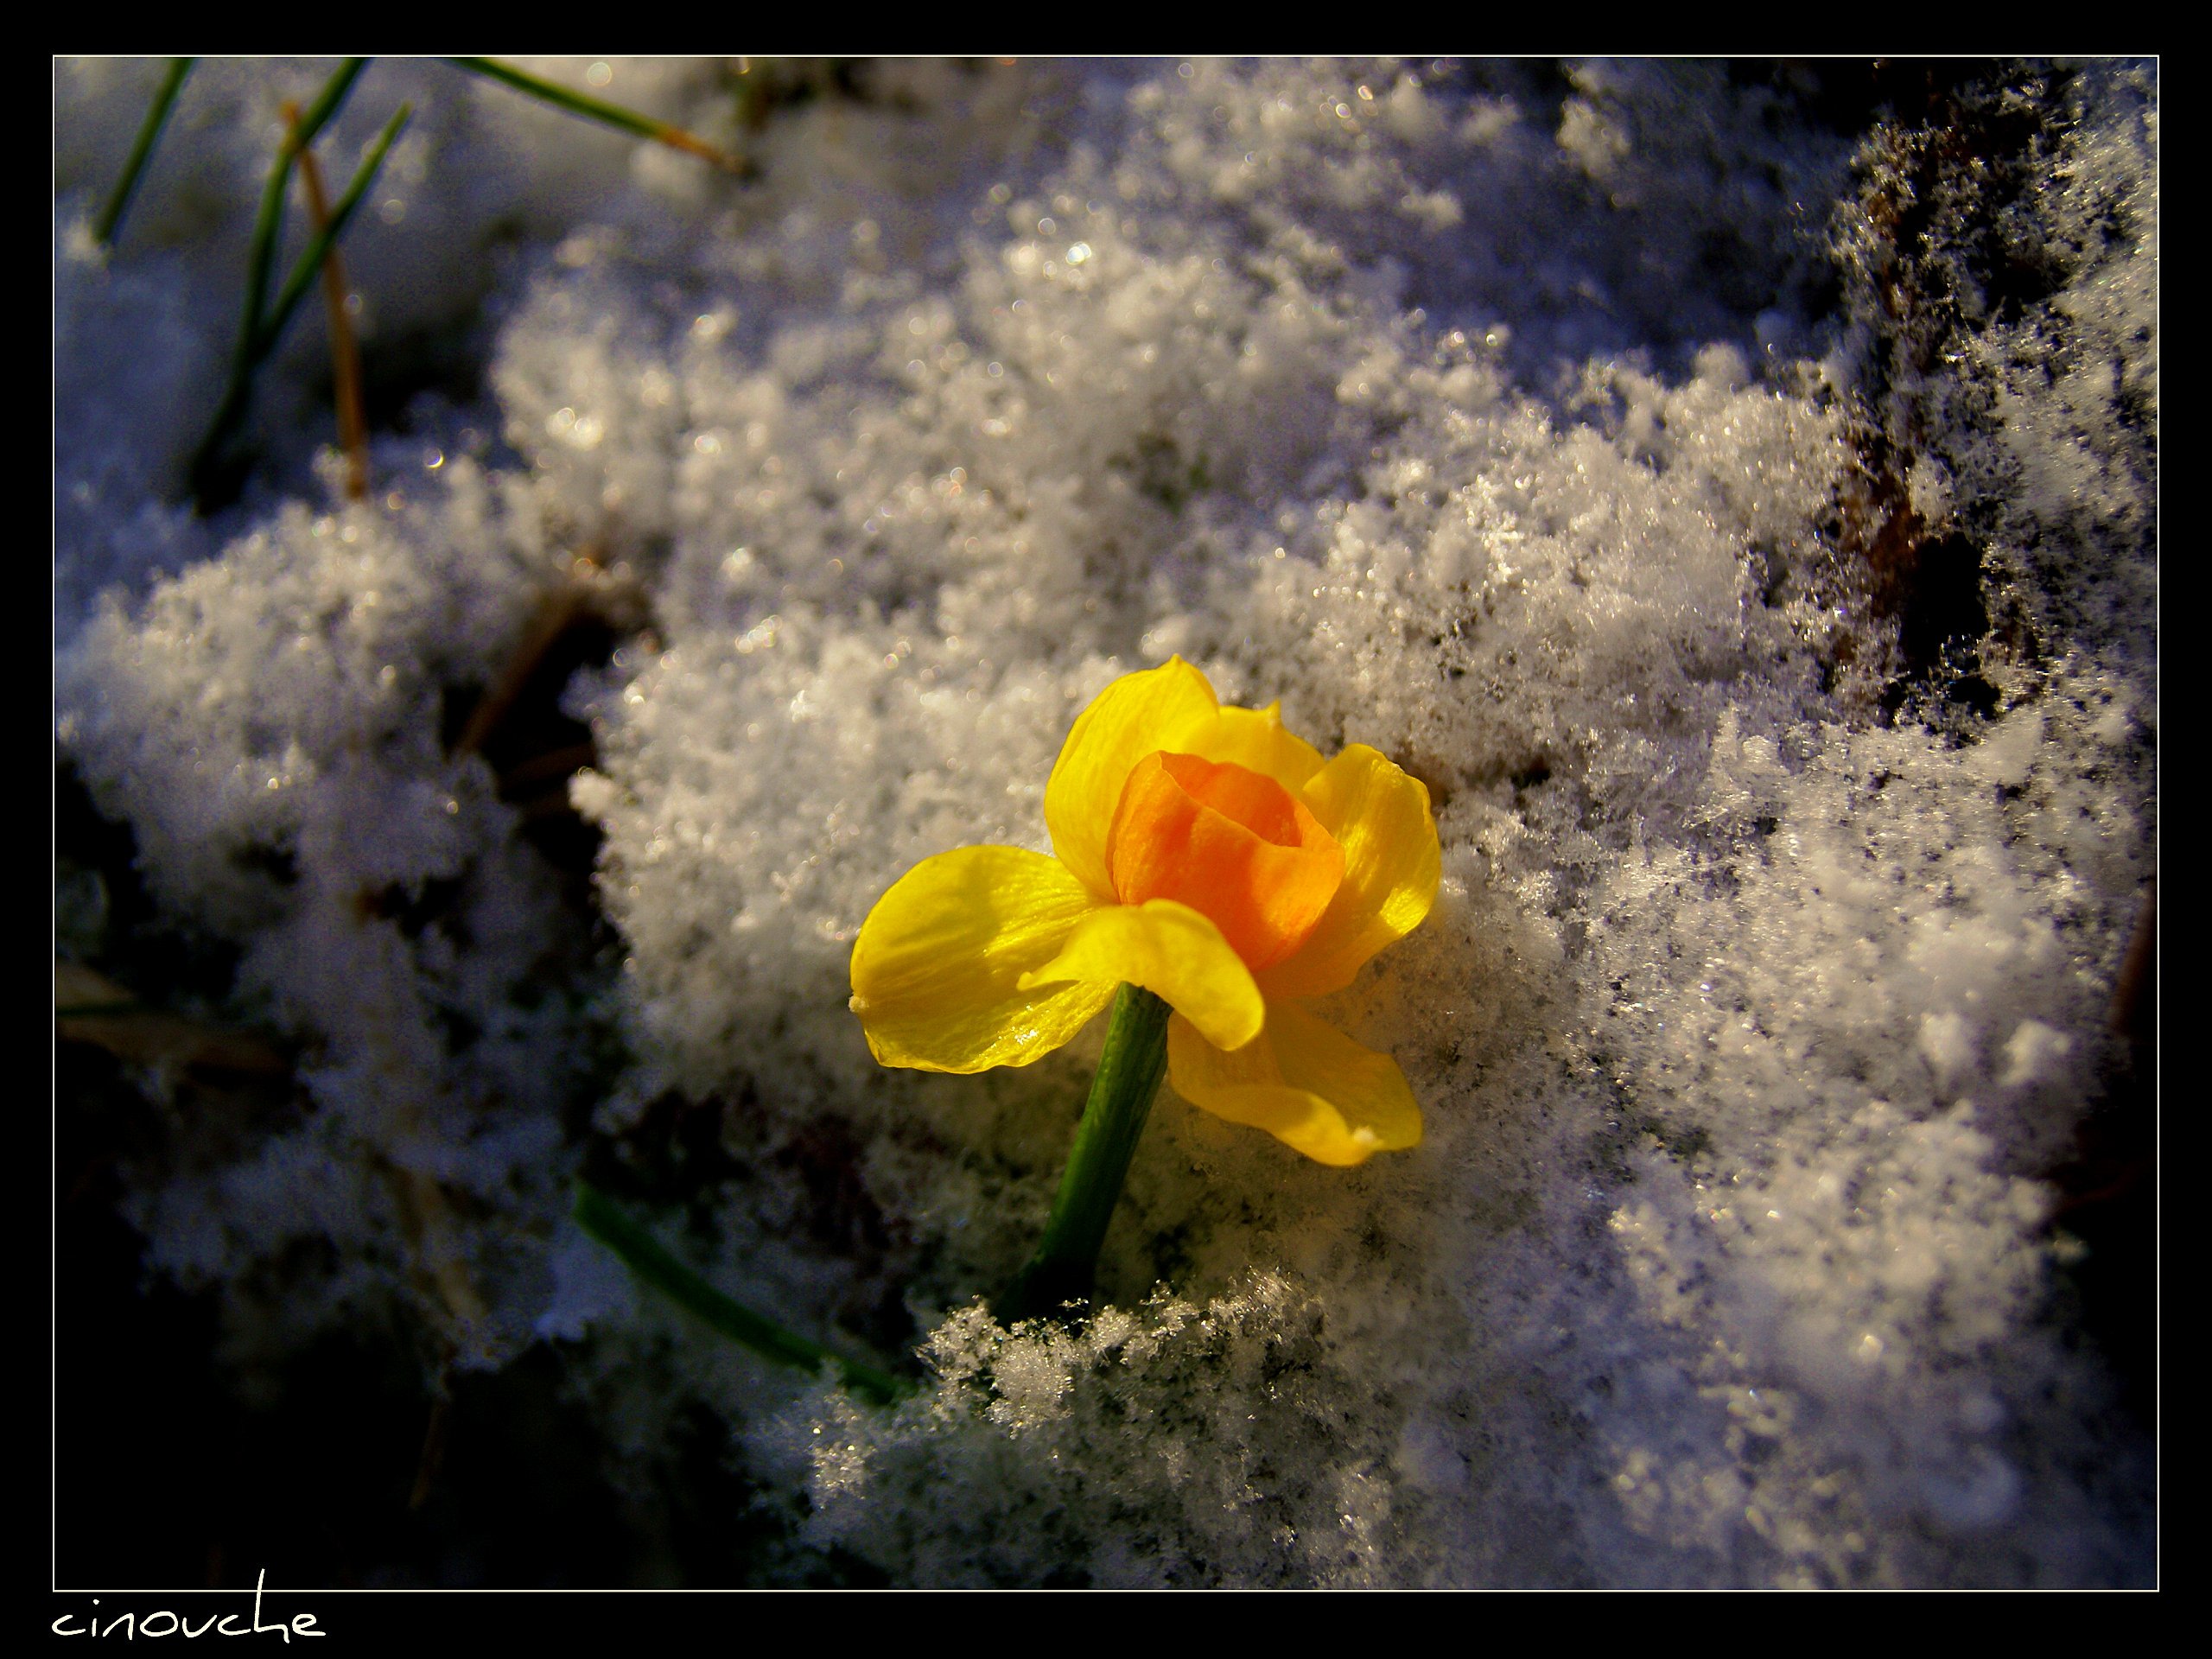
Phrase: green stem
[157,115]
[644,1255]
[1121,1098]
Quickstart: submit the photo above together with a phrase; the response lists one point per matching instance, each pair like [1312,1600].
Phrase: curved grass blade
[268,222]
[268,327]
[310,263]
[613,115]
[645,1255]
[142,150]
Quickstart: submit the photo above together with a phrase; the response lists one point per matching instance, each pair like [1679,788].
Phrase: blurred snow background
[1733,489]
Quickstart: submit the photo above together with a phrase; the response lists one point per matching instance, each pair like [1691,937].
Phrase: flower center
[1236,847]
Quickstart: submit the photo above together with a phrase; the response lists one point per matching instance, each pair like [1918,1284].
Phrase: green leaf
[645,1255]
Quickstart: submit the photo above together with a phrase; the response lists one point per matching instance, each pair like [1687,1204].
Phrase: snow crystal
[1584,442]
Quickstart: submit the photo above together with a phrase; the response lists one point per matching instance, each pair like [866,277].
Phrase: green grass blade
[254,337]
[644,1255]
[268,222]
[612,115]
[142,151]
[310,263]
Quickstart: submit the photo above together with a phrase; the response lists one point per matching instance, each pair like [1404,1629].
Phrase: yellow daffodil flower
[1205,854]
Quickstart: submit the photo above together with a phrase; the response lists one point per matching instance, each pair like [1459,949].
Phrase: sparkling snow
[1547,433]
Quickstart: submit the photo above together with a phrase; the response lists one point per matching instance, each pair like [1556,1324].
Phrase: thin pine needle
[345,354]
[261,254]
[319,247]
[269,223]
[288,298]
[613,115]
[644,1255]
[142,151]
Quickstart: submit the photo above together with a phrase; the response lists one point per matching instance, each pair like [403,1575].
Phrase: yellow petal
[1304,1082]
[1173,952]
[1380,815]
[1127,721]
[938,969]
[1253,738]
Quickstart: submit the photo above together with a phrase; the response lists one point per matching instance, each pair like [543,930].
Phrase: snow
[1541,430]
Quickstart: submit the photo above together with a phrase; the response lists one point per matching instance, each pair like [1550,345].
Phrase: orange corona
[1235,846]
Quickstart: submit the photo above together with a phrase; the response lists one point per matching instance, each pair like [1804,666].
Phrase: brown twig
[345,355]
[433,1455]
[559,608]
[553,804]
[2138,971]
[89,1008]
[555,765]
[436,1264]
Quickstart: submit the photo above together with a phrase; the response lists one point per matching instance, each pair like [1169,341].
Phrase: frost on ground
[1742,517]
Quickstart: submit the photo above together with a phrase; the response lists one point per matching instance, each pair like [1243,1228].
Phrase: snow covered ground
[1733,490]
